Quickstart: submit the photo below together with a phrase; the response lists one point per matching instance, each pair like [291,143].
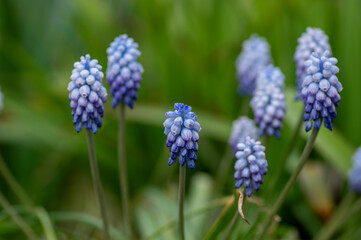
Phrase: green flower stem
[305,154]
[281,164]
[97,183]
[341,215]
[182,181]
[170,224]
[224,167]
[265,141]
[17,219]
[123,171]
[14,185]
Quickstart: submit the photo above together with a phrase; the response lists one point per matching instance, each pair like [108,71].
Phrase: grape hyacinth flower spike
[313,40]
[255,56]
[320,91]
[251,165]
[87,94]
[124,72]
[354,175]
[242,127]
[268,102]
[124,77]
[181,128]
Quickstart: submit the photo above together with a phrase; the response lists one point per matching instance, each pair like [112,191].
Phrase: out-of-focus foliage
[188,50]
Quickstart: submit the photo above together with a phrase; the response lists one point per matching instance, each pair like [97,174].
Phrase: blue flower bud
[255,56]
[320,90]
[250,166]
[124,72]
[87,94]
[313,40]
[354,174]
[268,102]
[242,127]
[181,128]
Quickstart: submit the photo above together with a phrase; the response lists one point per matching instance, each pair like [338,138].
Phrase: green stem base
[182,180]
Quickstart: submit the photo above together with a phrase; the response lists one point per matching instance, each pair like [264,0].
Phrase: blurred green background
[188,50]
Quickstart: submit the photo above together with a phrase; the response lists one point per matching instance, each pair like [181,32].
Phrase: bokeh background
[188,50]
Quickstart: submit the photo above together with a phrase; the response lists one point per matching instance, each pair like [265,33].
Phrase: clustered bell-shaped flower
[320,91]
[124,72]
[355,173]
[255,56]
[181,128]
[87,94]
[242,127]
[313,40]
[251,165]
[268,102]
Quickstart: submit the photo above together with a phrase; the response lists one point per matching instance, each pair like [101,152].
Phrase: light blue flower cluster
[268,102]
[320,90]
[242,127]
[181,128]
[271,75]
[251,165]
[313,40]
[124,72]
[355,173]
[255,56]
[87,94]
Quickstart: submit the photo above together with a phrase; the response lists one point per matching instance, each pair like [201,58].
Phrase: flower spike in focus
[181,128]
[87,94]
[251,165]
[320,91]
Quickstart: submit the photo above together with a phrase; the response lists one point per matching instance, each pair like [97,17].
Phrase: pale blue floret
[313,40]
[124,72]
[320,91]
[251,165]
[242,127]
[354,174]
[87,94]
[255,56]
[182,128]
[268,102]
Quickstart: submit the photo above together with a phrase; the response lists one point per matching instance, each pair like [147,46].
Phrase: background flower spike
[124,72]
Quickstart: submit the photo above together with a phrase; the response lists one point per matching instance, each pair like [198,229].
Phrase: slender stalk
[14,185]
[281,164]
[341,215]
[182,180]
[97,182]
[265,141]
[16,218]
[228,233]
[123,170]
[305,154]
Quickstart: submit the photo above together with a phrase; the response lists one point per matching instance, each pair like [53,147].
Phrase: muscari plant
[123,77]
[182,128]
[320,92]
[87,95]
